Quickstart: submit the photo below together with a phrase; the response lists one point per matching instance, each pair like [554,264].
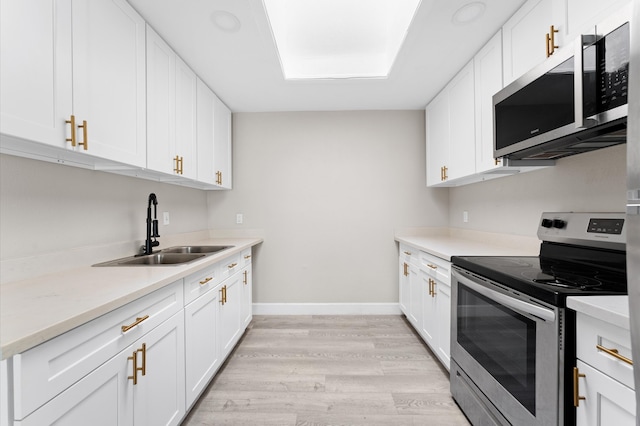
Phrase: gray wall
[48,207]
[590,182]
[327,190]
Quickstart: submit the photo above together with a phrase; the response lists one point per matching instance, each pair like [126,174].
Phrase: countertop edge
[611,309]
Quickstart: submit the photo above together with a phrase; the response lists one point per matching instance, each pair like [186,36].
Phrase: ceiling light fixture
[338,39]
[226,21]
[469,13]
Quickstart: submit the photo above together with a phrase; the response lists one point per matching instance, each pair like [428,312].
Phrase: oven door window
[502,341]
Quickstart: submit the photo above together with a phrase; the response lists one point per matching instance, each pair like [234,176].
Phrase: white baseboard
[326,309]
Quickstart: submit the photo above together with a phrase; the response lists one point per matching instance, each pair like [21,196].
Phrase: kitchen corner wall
[48,208]
[590,182]
[326,190]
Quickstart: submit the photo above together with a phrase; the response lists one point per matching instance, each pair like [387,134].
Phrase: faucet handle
[155,229]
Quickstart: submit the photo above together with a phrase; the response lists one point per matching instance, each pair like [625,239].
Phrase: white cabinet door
[229,329]
[415,297]
[109,79]
[607,401]
[206,100]
[101,398]
[462,136]
[247,296]
[159,396]
[524,38]
[404,295]
[185,105]
[581,16]
[488,81]
[443,296]
[35,73]
[437,122]
[160,104]
[222,144]
[429,328]
[201,345]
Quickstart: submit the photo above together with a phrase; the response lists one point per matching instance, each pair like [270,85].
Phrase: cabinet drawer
[409,255]
[245,258]
[51,367]
[436,267]
[592,332]
[198,283]
[230,266]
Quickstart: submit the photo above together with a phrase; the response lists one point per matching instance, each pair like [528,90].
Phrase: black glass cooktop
[552,279]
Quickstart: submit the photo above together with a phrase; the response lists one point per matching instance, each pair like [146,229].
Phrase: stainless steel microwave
[576,101]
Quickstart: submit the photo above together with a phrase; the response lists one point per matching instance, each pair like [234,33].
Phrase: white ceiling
[243,68]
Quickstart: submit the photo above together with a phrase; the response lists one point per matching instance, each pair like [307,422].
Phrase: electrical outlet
[165,218]
[239,218]
[465,216]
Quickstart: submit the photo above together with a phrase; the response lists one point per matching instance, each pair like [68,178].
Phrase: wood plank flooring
[329,370]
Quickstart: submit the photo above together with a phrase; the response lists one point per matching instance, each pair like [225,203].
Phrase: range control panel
[604,230]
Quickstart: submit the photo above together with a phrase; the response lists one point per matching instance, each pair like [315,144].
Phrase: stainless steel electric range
[513,340]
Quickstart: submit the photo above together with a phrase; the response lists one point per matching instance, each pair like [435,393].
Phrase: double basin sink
[178,255]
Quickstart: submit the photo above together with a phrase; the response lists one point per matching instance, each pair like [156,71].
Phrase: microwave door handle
[511,302]
[578,94]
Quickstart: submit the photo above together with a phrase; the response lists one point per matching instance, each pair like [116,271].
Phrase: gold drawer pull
[206,280]
[72,122]
[233,265]
[133,324]
[134,358]
[406,269]
[614,353]
[245,277]
[432,266]
[248,256]
[85,142]
[408,253]
[576,387]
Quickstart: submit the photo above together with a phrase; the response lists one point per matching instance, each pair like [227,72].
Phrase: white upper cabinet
[437,122]
[524,38]
[206,100]
[36,88]
[488,81]
[109,80]
[171,116]
[580,16]
[222,144]
[78,64]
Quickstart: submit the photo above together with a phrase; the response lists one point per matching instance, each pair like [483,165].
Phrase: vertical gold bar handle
[134,358]
[548,44]
[144,359]
[552,32]
[85,142]
[245,278]
[433,289]
[72,123]
[576,387]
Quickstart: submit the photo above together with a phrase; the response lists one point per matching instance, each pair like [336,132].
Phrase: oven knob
[558,223]
[547,223]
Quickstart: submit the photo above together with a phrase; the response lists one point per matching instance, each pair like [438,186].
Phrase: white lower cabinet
[425,298]
[145,363]
[111,396]
[603,376]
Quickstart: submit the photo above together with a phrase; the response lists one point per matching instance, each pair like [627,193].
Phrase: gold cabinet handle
[206,280]
[430,284]
[614,353]
[72,123]
[497,161]
[138,320]
[245,278]
[219,177]
[85,141]
[576,387]
[406,267]
[134,358]
[223,294]
[408,253]
[441,173]
[144,359]
[181,165]
[433,289]
[233,265]
[551,41]
[248,256]
[432,266]
[444,171]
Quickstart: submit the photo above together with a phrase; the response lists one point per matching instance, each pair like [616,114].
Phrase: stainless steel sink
[195,249]
[178,255]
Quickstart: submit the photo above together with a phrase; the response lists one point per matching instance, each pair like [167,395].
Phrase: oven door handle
[511,302]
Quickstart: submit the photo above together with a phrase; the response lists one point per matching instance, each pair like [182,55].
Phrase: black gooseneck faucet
[152,226]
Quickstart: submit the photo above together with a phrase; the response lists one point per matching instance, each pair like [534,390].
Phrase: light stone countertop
[445,243]
[611,309]
[35,310]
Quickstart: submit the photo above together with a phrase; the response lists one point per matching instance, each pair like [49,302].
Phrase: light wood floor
[329,370]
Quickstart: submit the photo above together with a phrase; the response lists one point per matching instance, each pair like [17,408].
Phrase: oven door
[508,348]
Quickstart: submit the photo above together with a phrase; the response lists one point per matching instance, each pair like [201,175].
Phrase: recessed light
[226,21]
[468,13]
